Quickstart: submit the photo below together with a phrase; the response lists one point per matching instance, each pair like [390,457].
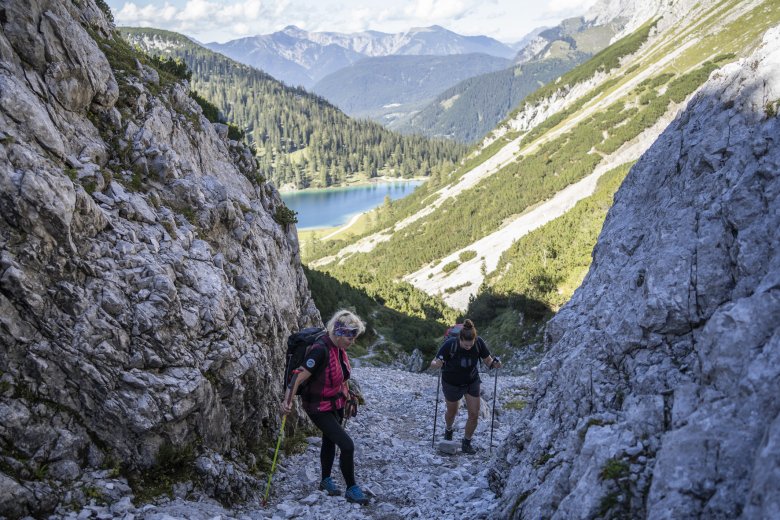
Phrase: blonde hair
[345,318]
[469,331]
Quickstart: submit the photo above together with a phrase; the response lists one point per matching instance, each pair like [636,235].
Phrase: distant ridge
[386,88]
[300,57]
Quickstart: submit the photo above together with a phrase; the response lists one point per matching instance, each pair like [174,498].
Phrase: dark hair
[468,332]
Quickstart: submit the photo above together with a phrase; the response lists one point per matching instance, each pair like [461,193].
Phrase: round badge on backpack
[309,363]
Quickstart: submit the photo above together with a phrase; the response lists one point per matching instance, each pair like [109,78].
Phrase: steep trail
[393,460]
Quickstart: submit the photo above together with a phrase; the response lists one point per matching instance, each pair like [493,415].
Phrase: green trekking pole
[436,412]
[273,464]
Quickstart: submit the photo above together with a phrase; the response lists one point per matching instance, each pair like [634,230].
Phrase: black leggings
[334,435]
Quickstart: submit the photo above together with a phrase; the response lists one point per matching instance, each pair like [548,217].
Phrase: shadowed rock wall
[658,396]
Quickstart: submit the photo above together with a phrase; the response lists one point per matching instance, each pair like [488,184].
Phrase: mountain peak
[293,30]
[430,28]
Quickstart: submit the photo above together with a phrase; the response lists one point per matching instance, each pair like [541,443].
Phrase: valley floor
[394,460]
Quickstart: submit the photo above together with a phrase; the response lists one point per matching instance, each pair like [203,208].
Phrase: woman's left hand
[350,408]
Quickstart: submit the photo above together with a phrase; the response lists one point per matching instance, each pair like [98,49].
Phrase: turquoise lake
[335,206]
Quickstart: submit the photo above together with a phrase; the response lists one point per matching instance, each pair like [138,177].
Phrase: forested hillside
[401,314]
[389,87]
[604,112]
[472,108]
[301,139]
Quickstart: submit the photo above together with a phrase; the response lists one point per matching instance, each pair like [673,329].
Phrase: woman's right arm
[298,379]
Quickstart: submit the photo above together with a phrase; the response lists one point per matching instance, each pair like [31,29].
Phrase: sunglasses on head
[346,332]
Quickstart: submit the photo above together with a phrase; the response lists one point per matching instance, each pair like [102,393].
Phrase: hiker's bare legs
[450,412]
[472,405]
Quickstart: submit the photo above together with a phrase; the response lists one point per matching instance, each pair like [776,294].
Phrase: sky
[223,20]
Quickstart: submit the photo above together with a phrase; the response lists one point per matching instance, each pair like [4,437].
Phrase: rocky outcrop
[658,394]
[633,13]
[146,287]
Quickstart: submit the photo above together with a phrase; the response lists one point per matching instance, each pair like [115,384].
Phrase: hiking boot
[329,486]
[355,494]
[447,435]
[466,447]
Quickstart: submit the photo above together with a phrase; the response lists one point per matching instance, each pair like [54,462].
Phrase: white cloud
[200,17]
[567,6]
[198,10]
[242,11]
[242,29]
[362,18]
[221,20]
[131,13]
[438,9]
[281,7]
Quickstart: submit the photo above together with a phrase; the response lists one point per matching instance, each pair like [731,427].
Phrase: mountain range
[430,80]
[299,57]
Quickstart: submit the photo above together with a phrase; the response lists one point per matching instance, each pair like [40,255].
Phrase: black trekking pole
[493,415]
[436,412]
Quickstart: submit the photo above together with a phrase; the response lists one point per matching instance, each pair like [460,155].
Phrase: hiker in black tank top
[460,378]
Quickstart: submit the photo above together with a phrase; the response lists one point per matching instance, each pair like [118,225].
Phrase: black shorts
[453,393]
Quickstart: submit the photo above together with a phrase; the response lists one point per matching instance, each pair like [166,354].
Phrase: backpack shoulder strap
[481,344]
[320,342]
[452,343]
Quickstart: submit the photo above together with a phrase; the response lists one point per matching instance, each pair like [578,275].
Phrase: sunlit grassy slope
[628,89]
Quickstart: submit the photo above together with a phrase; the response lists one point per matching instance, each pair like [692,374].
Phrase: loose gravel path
[394,460]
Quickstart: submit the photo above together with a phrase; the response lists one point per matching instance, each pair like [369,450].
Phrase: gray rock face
[145,288]
[633,13]
[658,396]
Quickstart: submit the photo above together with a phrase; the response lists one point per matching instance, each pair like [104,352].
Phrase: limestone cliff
[658,394]
[146,287]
